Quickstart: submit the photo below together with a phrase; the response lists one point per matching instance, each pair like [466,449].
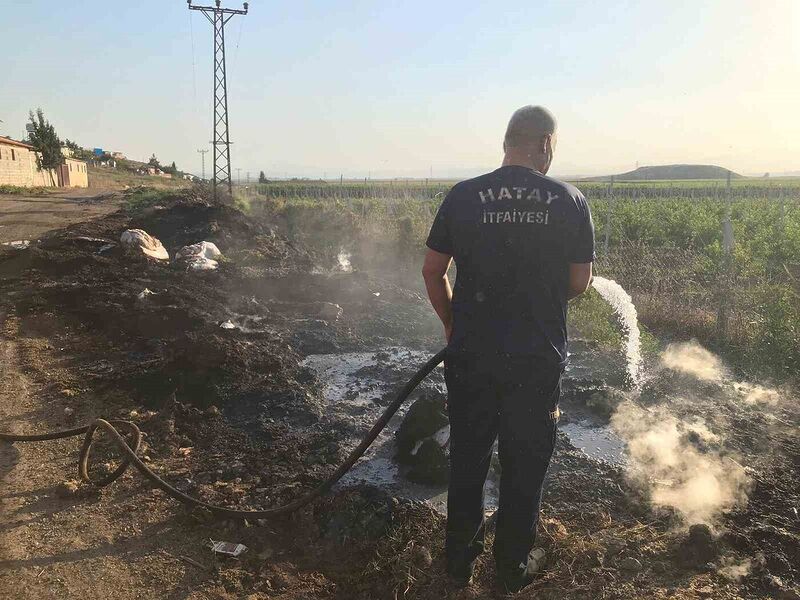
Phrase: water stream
[621,302]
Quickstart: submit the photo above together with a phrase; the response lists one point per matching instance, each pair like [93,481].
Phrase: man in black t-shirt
[523,244]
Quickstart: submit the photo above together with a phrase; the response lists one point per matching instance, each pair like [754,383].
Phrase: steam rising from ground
[691,358]
[343,263]
[680,461]
[680,474]
[734,570]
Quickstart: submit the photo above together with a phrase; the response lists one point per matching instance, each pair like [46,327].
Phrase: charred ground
[232,417]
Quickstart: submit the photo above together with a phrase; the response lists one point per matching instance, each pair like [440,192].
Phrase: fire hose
[130,457]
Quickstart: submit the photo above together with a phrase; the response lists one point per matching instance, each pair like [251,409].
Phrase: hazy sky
[398,88]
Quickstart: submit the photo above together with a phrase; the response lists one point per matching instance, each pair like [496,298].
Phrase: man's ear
[547,140]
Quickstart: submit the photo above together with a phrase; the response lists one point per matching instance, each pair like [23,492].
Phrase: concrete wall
[78,173]
[18,167]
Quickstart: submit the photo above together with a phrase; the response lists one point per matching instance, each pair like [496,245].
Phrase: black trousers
[514,399]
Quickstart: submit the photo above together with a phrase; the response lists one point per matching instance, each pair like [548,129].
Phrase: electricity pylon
[203,154]
[221,141]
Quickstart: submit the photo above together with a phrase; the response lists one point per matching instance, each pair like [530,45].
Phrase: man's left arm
[582,250]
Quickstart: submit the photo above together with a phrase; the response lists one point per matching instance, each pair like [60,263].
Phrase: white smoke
[757,394]
[736,570]
[697,484]
[691,358]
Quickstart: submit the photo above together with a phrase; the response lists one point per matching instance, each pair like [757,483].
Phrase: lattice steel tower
[221,141]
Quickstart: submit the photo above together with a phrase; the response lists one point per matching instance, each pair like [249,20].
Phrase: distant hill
[670,172]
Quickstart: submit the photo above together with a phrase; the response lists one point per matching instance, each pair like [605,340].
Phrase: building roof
[9,142]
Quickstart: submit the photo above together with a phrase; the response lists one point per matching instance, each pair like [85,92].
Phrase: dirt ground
[231,416]
[27,218]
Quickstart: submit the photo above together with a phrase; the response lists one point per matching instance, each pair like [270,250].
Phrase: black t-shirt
[513,234]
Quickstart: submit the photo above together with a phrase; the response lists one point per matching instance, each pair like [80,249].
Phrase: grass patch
[16,190]
[144,198]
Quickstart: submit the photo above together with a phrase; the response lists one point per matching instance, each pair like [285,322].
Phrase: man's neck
[515,160]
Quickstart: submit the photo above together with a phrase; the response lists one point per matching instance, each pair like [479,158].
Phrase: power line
[221,140]
[194,69]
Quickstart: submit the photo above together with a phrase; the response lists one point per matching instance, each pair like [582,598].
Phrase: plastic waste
[138,240]
[201,256]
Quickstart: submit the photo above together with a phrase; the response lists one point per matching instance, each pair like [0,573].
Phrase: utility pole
[203,154]
[221,140]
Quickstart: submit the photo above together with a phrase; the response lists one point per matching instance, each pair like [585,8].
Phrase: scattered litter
[227,325]
[105,248]
[200,249]
[68,412]
[228,548]
[376,294]
[90,240]
[201,256]
[144,294]
[137,240]
[18,245]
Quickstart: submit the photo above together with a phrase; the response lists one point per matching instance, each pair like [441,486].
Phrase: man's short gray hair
[528,124]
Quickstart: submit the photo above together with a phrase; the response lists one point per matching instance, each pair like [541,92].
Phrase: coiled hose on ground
[130,457]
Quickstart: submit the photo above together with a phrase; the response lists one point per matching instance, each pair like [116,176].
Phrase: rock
[422,440]
[68,489]
[330,311]
[69,412]
[431,463]
[138,241]
[212,411]
[630,564]
[425,417]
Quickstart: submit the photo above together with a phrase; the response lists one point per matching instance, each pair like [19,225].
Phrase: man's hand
[434,271]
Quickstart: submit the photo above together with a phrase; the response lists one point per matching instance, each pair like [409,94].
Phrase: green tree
[44,139]
[262,178]
[171,169]
[153,162]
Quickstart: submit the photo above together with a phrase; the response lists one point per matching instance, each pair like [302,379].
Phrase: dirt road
[28,217]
